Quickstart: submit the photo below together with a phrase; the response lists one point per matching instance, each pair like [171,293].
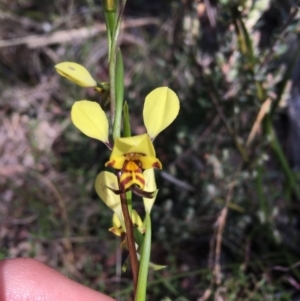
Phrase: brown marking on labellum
[110,163]
[156,165]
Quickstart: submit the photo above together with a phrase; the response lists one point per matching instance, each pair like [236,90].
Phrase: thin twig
[69,36]
[264,109]
[179,183]
[221,221]
[283,269]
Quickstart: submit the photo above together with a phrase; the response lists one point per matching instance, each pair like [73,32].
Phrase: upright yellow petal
[76,73]
[160,109]
[90,119]
[150,186]
[104,180]
[140,144]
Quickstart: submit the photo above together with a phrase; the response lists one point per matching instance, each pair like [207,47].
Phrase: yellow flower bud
[110,5]
[76,73]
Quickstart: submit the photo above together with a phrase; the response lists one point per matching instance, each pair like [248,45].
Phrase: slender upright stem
[119,100]
[116,85]
[112,63]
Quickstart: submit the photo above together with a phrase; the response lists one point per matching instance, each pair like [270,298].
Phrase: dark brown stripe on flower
[126,180]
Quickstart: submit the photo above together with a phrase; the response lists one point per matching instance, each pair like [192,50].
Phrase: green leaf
[126,121]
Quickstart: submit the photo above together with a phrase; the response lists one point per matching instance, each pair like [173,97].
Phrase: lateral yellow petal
[104,180]
[150,186]
[76,73]
[160,109]
[150,162]
[90,119]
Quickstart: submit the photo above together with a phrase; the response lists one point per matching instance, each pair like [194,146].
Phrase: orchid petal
[104,180]
[90,119]
[137,221]
[117,226]
[150,185]
[160,109]
[140,144]
[150,162]
[118,223]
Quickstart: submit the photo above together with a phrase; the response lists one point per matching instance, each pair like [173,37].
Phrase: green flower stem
[108,21]
[144,262]
[126,121]
[110,9]
[116,84]
[130,242]
[119,80]
[112,67]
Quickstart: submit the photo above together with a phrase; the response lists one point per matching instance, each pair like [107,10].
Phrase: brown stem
[130,241]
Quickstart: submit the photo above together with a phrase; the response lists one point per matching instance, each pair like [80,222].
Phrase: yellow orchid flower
[107,183]
[130,155]
[76,73]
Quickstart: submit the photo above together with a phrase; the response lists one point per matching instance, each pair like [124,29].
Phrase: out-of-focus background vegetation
[226,221]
